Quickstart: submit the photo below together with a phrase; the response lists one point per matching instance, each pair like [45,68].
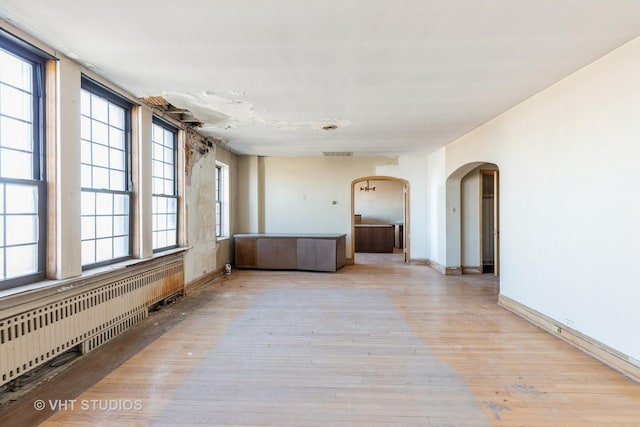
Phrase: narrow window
[165,188]
[218,200]
[22,183]
[106,175]
[222,200]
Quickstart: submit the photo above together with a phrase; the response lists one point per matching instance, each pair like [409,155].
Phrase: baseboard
[436,266]
[471,270]
[447,271]
[607,355]
[453,271]
[348,261]
[204,280]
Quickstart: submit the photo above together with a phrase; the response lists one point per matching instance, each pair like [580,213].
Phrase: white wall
[412,169]
[568,160]
[247,195]
[383,206]
[299,192]
[67,172]
[436,215]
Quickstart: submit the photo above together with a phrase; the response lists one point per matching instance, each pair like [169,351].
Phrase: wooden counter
[374,237]
[311,252]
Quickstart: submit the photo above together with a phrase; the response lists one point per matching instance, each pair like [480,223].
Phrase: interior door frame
[496,219]
[406,251]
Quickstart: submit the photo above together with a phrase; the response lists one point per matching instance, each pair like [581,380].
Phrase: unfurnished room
[304,213]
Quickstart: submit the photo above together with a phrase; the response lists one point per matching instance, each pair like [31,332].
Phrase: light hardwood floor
[379,343]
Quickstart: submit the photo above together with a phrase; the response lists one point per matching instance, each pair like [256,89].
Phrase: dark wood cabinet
[374,237]
[246,252]
[276,253]
[290,252]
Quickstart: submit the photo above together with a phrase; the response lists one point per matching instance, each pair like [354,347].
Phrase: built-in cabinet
[374,238]
[321,252]
[276,253]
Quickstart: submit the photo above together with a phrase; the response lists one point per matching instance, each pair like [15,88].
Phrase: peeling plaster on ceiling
[214,110]
[408,76]
[237,94]
[218,112]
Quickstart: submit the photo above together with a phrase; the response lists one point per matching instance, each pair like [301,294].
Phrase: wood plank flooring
[379,343]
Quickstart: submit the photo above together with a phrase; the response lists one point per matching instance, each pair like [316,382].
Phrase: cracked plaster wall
[207,253]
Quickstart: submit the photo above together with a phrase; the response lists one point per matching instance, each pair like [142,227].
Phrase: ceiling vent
[338,153]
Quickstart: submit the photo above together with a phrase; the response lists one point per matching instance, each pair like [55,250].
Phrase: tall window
[222,200]
[106,176]
[22,185]
[219,201]
[165,188]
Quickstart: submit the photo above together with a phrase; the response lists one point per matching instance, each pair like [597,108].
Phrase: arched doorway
[472,218]
[399,222]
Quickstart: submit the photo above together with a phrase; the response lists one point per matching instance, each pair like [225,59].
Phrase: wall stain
[196,147]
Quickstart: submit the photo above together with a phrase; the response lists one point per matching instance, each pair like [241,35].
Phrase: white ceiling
[397,77]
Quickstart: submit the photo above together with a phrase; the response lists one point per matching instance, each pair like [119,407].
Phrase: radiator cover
[85,312]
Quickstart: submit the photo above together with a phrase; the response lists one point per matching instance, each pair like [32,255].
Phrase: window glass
[164,186]
[22,185]
[105,158]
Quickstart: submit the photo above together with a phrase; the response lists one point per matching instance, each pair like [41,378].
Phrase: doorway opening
[379,219]
[489,231]
[472,220]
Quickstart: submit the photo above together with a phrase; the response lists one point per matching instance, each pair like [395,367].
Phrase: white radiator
[85,312]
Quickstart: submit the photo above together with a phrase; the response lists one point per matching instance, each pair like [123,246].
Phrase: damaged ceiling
[368,77]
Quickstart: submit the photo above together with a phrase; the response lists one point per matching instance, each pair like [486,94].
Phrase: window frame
[169,127]
[222,199]
[219,197]
[38,61]
[95,88]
